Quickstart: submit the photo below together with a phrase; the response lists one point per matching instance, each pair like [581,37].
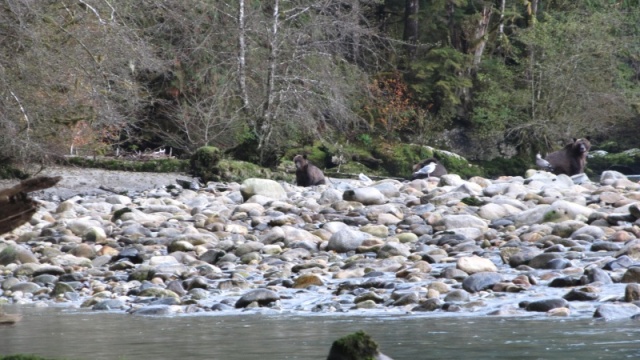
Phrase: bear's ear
[574,139]
[588,138]
[304,156]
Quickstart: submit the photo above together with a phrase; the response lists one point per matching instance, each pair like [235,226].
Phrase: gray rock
[540,261]
[475,264]
[155,310]
[394,249]
[481,281]
[25,287]
[17,254]
[616,311]
[265,187]
[262,297]
[632,275]
[457,296]
[346,240]
[632,293]
[546,305]
[109,304]
[365,195]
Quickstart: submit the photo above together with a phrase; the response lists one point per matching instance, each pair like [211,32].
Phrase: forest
[258,79]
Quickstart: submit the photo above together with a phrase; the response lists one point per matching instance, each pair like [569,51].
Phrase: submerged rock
[356,346]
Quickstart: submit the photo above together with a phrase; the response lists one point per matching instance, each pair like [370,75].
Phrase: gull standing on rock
[427,169]
[542,163]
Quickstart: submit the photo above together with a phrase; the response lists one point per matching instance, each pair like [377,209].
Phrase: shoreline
[535,246]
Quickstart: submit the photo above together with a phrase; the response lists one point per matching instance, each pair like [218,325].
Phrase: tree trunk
[410,35]
[265,123]
[501,27]
[532,11]
[242,50]
[480,38]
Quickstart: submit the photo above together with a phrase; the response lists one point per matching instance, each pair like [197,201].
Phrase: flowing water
[76,334]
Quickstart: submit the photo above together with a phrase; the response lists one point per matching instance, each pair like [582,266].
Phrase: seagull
[543,164]
[365,179]
[427,169]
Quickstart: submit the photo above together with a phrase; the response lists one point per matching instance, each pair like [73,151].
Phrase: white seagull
[543,164]
[427,169]
[365,179]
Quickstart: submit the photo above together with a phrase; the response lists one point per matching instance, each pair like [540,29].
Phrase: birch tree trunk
[242,51]
[501,26]
[265,123]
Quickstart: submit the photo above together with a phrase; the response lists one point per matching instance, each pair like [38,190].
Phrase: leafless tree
[72,78]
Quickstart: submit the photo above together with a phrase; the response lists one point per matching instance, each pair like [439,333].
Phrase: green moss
[398,160]
[552,216]
[204,163]
[472,201]
[158,165]
[238,171]
[118,213]
[317,154]
[627,162]
[460,166]
[506,167]
[356,346]
[8,255]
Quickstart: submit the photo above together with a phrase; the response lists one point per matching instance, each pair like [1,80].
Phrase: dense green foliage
[260,80]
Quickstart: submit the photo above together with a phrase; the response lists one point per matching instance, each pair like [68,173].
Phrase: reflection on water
[74,334]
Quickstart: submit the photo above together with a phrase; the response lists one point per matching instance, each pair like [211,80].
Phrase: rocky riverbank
[517,246]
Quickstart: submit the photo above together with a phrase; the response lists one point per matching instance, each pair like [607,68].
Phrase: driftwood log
[16,208]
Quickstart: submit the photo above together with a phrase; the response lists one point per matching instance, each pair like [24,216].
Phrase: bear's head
[300,161]
[581,146]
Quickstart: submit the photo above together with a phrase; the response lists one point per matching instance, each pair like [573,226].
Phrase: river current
[81,334]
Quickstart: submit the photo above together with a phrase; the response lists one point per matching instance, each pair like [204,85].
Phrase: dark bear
[439,171]
[572,159]
[307,174]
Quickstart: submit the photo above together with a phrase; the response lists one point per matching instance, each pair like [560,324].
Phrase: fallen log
[16,208]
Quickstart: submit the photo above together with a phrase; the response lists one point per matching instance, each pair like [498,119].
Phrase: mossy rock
[317,154]
[626,162]
[321,155]
[353,168]
[118,213]
[398,160]
[238,171]
[157,165]
[515,166]
[8,255]
[204,163]
[472,201]
[356,346]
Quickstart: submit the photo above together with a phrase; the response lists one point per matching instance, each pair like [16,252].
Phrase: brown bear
[572,159]
[439,170]
[307,174]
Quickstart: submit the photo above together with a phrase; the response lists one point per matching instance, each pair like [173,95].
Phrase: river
[82,334]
